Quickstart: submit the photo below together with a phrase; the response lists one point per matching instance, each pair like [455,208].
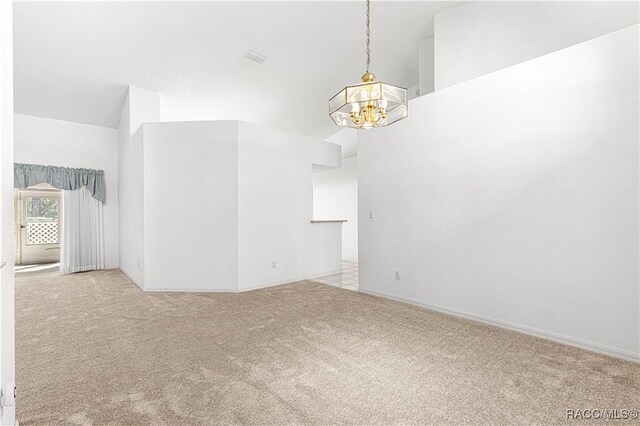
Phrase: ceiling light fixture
[370,103]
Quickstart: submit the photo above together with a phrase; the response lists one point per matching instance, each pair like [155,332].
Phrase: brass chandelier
[371,103]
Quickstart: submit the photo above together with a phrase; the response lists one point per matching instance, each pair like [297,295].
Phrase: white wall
[63,143]
[481,37]
[335,196]
[140,106]
[214,203]
[191,205]
[7,322]
[348,141]
[426,61]
[144,107]
[130,202]
[518,203]
[275,206]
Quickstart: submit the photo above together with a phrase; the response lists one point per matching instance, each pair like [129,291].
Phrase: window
[42,220]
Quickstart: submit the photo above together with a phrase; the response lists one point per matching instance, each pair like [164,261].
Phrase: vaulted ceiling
[74,60]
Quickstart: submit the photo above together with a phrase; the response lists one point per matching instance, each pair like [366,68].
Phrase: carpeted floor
[94,349]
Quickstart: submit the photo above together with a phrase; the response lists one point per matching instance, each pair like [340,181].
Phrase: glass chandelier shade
[371,103]
[368,104]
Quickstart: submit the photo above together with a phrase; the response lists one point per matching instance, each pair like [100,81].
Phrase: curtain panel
[65,178]
[82,242]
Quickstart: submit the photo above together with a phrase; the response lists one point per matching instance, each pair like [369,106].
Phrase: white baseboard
[177,289]
[231,290]
[549,335]
[290,280]
[190,290]
[141,287]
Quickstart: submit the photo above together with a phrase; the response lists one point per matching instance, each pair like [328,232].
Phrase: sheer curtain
[82,243]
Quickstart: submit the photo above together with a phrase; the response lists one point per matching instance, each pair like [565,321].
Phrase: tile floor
[347,279]
[40,267]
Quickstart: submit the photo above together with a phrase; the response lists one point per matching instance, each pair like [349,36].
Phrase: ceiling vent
[255,57]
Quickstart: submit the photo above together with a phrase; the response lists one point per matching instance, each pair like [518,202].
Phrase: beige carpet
[94,349]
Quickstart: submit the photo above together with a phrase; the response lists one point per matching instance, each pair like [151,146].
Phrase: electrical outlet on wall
[273,265]
[396,275]
[371,214]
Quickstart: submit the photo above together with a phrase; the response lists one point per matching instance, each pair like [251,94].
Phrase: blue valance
[65,178]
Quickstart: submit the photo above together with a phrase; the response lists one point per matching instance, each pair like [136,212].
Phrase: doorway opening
[37,230]
[335,197]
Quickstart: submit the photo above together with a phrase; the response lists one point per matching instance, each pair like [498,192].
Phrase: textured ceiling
[73,61]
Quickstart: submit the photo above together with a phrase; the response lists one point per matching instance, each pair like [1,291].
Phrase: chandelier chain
[368,34]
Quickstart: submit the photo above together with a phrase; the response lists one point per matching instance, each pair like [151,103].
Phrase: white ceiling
[73,61]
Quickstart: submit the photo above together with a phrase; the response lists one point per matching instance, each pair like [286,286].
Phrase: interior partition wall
[512,198]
